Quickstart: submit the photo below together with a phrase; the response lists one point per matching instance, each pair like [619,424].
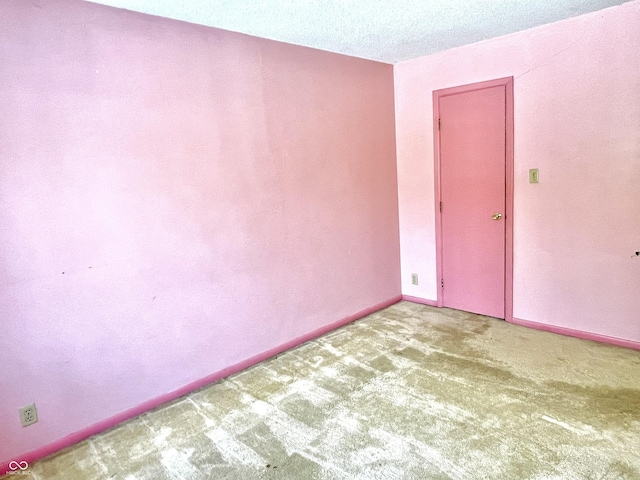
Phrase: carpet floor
[410,392]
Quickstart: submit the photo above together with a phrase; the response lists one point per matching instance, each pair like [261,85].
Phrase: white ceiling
[385,30]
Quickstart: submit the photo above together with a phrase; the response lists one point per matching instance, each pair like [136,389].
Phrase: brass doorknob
[496,216]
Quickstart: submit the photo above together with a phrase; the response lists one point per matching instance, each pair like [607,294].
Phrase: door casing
[507,82]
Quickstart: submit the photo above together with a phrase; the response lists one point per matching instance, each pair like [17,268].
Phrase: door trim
[507,82]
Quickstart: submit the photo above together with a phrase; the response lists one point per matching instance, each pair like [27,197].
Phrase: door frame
[507,82]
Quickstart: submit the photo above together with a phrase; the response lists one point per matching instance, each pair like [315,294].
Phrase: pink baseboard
[69,440]
[423,301]
[596,337]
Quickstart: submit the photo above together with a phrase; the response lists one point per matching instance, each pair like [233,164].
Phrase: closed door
[472,192]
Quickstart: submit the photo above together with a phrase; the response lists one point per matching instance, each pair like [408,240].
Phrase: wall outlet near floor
[414,279]
[28,415]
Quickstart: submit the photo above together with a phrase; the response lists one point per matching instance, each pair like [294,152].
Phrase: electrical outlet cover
[28,415]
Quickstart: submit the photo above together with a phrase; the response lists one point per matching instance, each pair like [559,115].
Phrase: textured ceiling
[385,30]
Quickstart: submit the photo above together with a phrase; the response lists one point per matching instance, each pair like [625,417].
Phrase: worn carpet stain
[410,392]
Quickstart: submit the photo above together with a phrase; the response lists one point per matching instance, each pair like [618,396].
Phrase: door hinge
[439,124]
[440,207]
[442,284]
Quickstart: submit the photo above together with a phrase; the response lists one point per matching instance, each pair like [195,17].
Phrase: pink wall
[175,200]
[577,119]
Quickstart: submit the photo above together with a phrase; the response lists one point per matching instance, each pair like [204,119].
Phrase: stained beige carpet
[411,392]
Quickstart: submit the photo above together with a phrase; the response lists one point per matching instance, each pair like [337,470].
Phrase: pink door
[472,191]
